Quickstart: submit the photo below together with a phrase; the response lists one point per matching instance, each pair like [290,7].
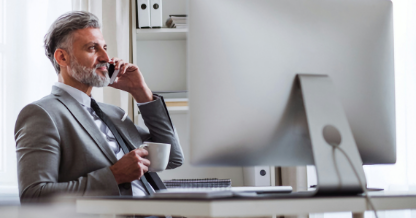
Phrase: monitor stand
[334,149]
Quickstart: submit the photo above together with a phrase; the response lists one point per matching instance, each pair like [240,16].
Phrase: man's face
[88,57]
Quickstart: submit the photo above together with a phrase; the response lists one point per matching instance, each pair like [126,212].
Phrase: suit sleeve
[157,120]
[38,158]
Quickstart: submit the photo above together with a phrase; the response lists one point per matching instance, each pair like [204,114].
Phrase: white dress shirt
[85,101]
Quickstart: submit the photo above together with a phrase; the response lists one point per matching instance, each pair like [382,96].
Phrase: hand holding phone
[129,79]
[112,73]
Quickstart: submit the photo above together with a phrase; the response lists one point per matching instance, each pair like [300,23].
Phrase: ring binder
[143,12]
[156,13]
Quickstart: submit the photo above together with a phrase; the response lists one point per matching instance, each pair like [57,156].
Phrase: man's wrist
[142,95]
[116,177]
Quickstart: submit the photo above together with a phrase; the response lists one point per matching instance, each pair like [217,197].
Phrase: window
[26,74]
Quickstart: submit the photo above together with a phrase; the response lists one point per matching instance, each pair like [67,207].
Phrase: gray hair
[60,33]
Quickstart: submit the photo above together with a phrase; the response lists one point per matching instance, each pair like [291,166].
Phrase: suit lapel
[124,128]
[85,121]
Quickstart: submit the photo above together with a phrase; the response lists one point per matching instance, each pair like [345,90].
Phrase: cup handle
[144,146]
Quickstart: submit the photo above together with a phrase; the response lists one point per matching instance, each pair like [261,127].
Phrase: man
[69,144]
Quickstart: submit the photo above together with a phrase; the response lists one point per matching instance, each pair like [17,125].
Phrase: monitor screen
[243,58]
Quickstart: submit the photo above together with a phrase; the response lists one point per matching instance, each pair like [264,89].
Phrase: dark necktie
[119,139]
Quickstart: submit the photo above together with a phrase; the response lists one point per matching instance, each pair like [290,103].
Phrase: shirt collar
[77,94]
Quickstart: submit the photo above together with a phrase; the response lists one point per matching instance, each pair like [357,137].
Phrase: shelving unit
[161,57]
[167,48]
[161,53]
[161,34]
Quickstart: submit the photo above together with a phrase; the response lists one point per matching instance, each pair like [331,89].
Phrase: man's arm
[154,112]
[157,120]
[38,158]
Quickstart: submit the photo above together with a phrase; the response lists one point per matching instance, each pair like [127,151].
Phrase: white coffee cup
[158,155]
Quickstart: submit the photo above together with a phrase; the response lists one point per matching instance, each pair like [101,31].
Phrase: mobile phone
[112,73]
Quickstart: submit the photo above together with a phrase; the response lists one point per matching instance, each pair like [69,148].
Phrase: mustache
[100,65]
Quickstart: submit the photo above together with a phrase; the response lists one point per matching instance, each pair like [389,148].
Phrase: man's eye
[92,48]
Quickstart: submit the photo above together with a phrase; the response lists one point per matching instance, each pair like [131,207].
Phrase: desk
[108,207]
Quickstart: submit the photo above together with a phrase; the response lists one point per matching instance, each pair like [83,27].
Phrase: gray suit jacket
[60,150]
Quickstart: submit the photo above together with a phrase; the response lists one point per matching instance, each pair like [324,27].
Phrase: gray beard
[88,76]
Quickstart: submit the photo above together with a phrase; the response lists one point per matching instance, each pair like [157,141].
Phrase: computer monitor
[245,64]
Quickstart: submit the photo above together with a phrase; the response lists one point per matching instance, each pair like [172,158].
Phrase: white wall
[163,64]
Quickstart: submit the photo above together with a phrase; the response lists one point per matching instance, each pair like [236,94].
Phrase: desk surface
[245,207]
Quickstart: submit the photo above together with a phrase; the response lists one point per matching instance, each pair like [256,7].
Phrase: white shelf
[161,34]
[178,109]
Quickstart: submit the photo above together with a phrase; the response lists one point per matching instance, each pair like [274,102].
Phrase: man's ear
[61,57]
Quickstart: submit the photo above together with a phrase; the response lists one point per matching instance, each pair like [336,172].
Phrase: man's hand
[131,80]
[131,166]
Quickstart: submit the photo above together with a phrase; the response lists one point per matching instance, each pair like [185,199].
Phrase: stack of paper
[175,99]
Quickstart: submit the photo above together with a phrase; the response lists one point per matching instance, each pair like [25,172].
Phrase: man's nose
[103,56]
